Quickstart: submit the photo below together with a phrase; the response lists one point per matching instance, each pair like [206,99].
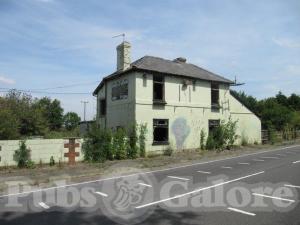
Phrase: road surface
[259,188]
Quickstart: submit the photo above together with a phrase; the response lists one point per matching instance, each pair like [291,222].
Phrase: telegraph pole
[84,108]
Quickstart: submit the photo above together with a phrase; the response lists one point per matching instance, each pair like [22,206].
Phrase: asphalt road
[260,188]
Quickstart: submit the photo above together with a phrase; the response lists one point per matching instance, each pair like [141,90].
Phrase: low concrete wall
[40,150]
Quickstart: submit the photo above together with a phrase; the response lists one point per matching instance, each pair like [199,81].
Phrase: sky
[66,46]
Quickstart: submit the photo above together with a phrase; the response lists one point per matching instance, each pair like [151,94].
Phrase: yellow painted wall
[188,110]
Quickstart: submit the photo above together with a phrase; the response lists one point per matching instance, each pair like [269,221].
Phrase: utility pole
[84,108]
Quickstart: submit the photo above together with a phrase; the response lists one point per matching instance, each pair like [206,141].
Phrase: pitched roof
[176,67]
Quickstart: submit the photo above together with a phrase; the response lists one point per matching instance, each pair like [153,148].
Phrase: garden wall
[41,150]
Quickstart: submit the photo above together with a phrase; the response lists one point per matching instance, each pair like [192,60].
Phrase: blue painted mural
[181,131]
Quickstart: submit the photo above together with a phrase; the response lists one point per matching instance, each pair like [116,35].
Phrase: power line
[66,86]
[45,92]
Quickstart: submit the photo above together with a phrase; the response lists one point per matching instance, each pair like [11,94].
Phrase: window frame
[215,93]
[102,111]
[166,125]
[158,79]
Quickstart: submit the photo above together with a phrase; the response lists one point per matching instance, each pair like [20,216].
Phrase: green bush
[223,136]
[97,145]
[120,144]
[52,161]
[132,148]
[168,151]
[22,155]
[202,139]
[142,139]
[210,143]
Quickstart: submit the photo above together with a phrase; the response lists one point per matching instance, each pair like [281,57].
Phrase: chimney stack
[123,56]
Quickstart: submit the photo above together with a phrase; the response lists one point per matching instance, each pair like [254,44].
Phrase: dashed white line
[296,162]
[279,154]
[269,157]
[273,197]
[244,163]
[205,172]
[101,193]
[226,167]
[197,190]
[142,173]
[44,205]
[289,185]
[147,185]
[258,160]
[179,178]
[241,211]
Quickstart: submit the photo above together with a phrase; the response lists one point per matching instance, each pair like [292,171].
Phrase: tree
[52,112]
[71,120]
[9,125]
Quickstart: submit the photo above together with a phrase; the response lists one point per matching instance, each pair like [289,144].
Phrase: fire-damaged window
[215,96]
[158,89]
[212,125]
[119,90]
[102,107]
[160,131]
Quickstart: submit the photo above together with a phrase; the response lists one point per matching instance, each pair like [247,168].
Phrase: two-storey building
[174,98]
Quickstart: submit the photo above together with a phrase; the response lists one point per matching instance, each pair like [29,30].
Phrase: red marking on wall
[72,154]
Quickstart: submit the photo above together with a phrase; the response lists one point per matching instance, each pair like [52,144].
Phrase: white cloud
[6,80]
[287,42]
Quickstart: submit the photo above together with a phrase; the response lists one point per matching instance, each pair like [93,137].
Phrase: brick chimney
[123,56]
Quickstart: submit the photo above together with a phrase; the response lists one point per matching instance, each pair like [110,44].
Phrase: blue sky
[53,43]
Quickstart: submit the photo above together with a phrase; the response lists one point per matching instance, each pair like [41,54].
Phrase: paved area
[259,188]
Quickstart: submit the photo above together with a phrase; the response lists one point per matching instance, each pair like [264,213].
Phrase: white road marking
[147,185]
[244,163]
[142,173]
[289,185]
[199,171]
[269,157]
[296,161]
[273,197]
[179,178]
[258,160]
[280,154]
[226,167]
[197,190]
[241,211]
[44,205]
[101,193]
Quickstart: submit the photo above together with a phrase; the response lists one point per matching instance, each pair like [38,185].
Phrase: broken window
[158,89]
[215,96]
[212,125]
[119,90]
[102,107]
[160,131]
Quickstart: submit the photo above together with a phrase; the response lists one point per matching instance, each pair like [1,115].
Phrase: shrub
[210,143]
[120,144]
[132,148]
[168,151]
[244,141]
[97,145]
[202,139]
[52,161]
[22,155]
[223,136]
[142,139]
